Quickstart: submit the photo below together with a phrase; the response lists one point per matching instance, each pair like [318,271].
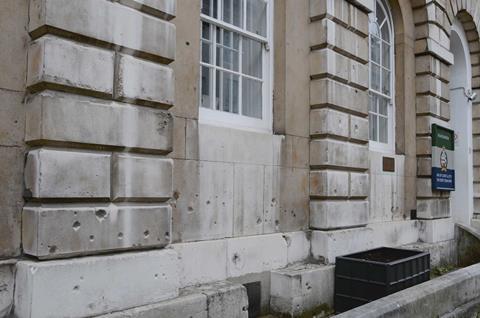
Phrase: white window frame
[376,145]
[232,120]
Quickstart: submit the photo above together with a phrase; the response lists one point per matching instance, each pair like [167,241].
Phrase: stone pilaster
[339,160]
[97,175]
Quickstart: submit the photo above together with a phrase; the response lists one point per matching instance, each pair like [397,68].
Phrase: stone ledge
[433,298]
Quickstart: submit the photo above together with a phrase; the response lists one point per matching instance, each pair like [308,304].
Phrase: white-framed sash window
[235,64]
[381,83]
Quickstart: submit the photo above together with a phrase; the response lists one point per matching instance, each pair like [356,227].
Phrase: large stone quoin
[204,159]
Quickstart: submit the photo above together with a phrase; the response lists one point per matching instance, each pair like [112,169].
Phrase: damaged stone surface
[7,278]
[94,285]
[301,288]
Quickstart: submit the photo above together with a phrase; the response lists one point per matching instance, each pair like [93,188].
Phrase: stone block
[359,129]
[328,63]
[434,231]
[298,246]
[333,153]
[7,280]
[203,200]
[248,200]
[211,254]
[12,113]
[290,151]
[301,288]
[338,214]
[255,254]
[59,117]
[94,285]
[224,299]
[228,144]
[190,305]
[67,174]
[327,122]
[53,232]
[329,183]
[126,28]
[359,185]
[11,192]
[333,94]
[14,38]
[326,32]
[433,208]
[286,210]
[144,81]
[164,9]
[179,138]
[344,11]
[141,177]
[55,61]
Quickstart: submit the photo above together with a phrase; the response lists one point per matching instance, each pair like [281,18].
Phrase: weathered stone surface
[164,9]
[55,61]
[333,153]
[140,80]
[248,200]
[58,117]
[433,208]
[213,255]
[191,305]
[94,285]
[12,113]
[224,299]
[326,245]
[52,232]
[433,231]
[329,183]
[56,174]
[327,92]
[344,11]
[285,210]
[7,279]
[298,246]
[89,21]
[301,288]
[141,177]
[290,151]
[11,174]
[441,253]
[255,254]
[203,206]
[14,37]
[338,214]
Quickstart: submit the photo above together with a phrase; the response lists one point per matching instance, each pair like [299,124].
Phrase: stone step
[217,300]
[302,288]
[90,286]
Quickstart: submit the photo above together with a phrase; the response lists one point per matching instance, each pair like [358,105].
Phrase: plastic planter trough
[366,276]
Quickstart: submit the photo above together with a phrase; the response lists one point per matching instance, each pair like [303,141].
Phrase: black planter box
[366,276]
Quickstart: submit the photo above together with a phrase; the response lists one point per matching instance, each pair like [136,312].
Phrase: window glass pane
[206,75]
[386,55]
[232,12]
[206,31]
[206,52]
[373,103]
[375,77]
[380,14]
[257,17]
[386,82]
[229,91]
[209,7]
[383,130]
[385,32]
[375,49]
[372,120]
[252,98]
[252,58]
[383,106]
[228,49]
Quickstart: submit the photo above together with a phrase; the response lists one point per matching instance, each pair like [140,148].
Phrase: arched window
[381,101]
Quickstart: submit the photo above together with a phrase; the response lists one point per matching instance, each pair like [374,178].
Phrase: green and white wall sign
[443,169]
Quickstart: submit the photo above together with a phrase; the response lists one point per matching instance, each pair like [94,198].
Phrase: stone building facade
[196,158]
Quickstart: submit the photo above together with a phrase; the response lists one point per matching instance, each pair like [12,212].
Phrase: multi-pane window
[235,59]
[381,111]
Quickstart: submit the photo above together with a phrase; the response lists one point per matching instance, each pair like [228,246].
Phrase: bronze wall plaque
[388,164]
